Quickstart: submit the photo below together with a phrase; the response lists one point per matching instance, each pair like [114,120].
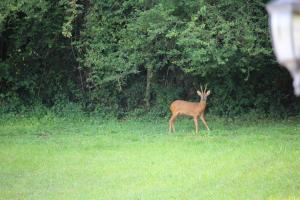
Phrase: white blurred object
[285,30]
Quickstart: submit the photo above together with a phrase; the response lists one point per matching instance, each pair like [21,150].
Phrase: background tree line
[124,57]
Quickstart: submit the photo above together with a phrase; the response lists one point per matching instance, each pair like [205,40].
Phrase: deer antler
[201,89]
[205,88]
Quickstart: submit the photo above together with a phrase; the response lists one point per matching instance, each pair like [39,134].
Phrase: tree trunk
[148,87]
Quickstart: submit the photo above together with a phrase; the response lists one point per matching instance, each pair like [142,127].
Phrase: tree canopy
[132,56]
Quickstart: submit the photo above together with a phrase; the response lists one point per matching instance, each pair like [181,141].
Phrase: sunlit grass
[88,158]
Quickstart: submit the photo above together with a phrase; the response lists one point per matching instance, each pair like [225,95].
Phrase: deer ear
[198,92]
[208,93]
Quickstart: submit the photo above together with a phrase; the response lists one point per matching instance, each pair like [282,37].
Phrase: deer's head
[203,93]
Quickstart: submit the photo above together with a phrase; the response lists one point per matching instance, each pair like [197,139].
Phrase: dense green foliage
[50,157]
[128,56]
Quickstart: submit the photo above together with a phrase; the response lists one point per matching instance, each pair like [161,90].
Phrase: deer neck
[202,102]
[201,106]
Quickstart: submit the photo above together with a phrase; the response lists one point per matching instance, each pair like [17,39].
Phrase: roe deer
[193,109]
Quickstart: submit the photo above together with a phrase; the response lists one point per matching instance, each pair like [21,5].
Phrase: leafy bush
[116,58]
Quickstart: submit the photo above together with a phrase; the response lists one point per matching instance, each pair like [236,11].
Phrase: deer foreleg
[204,122]
[196,123]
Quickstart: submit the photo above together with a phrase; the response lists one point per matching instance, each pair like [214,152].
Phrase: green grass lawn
[87,158]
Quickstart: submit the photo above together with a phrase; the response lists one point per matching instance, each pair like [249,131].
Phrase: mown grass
[49,157]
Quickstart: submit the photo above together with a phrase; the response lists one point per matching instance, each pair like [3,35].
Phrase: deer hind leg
[171,123]
[196,123]
[204,121]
